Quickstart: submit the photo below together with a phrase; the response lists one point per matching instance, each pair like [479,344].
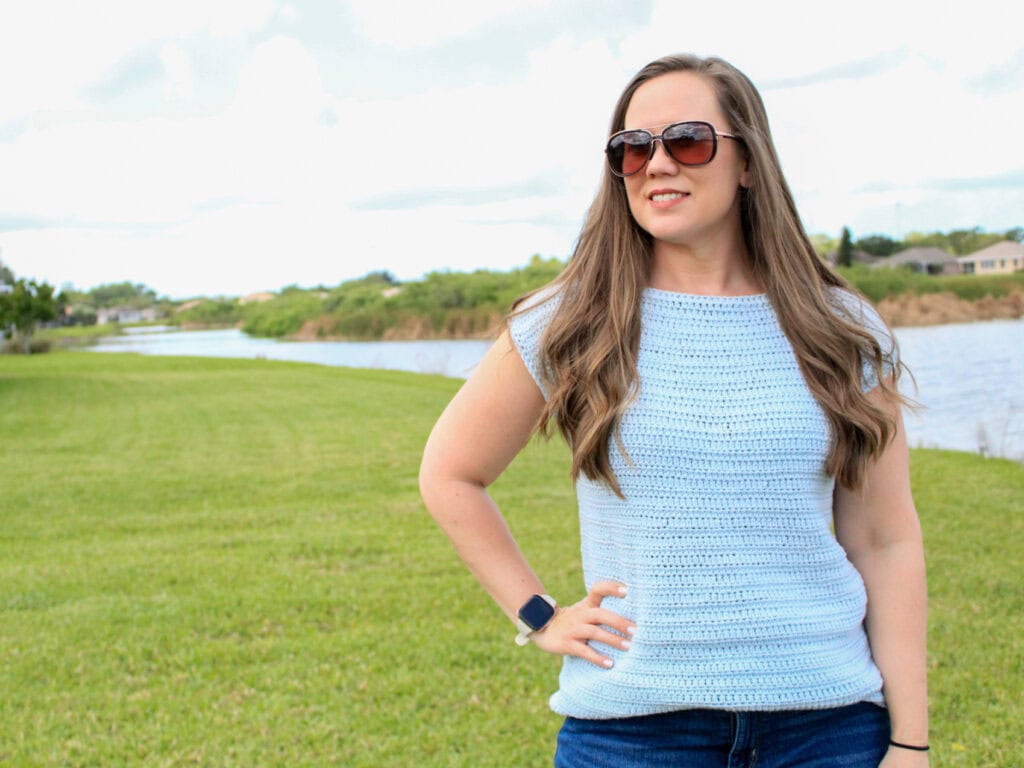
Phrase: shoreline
[903,311]
[907,310]
[915,310]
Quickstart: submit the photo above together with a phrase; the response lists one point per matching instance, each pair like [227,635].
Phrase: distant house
[126,315]
[932,261]
[998,259]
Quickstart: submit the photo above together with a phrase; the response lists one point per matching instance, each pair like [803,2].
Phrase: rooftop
[1005,249]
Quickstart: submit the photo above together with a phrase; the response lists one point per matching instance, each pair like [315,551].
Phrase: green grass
[878,284]
[226,563]
[76,335]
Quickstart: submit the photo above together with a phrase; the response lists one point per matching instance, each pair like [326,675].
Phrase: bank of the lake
[913,309]
[444,305]
[899,311]
[226,562]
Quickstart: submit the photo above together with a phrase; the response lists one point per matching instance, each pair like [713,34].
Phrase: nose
[661,161]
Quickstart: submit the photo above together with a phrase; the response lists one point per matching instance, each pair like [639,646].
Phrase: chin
[673,236]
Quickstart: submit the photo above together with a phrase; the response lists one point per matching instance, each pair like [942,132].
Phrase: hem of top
[875,697]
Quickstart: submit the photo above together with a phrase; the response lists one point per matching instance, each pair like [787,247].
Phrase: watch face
[536,612]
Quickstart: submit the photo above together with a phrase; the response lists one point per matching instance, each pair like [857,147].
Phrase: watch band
[530,607]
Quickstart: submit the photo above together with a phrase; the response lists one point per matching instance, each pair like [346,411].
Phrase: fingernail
[608,663]
[622,590]
[631,630]
[626,644]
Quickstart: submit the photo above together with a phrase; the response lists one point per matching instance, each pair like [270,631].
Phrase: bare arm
[879,529]
[483,428]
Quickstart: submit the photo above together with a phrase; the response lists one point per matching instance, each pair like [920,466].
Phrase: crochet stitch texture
[742,597]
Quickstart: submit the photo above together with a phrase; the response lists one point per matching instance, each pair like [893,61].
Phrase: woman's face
[695,207]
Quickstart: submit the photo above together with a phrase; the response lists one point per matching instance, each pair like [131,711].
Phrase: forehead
[674,97]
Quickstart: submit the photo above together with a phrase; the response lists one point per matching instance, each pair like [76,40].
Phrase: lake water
[448,358]
[970,376]
[970,380]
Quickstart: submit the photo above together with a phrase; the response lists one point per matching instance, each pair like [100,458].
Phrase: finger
[615,621]
[585,652]
[599,635]
[606,589]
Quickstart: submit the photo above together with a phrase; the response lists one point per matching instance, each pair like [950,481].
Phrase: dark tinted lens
[690,143]
[627,152]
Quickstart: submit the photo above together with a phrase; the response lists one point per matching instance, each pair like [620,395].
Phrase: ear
[745,176]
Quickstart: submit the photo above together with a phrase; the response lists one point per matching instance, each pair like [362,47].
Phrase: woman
[727,400]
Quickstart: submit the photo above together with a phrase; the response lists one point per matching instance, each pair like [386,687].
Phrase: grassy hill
[226,562]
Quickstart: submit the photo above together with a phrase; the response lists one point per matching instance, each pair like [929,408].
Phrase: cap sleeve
[526,327]
[859,310]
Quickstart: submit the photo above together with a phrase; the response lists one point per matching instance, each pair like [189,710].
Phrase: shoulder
[531,314]
[853,305]
[854,308]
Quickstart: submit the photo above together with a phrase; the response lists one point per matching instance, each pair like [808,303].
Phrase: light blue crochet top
[742,597]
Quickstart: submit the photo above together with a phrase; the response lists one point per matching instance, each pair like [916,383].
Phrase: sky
[222,147]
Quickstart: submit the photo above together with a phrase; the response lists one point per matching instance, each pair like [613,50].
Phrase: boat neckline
[724,297]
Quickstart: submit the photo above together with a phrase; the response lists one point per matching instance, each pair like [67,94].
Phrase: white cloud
[279,184]
[60,46]
[289,13]
[786,38]
[404,24]
[292,182]
[178,82]
[159,169]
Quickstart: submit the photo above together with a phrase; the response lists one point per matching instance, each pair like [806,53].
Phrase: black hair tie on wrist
[908,746]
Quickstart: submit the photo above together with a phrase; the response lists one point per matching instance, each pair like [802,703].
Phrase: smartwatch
[534,616]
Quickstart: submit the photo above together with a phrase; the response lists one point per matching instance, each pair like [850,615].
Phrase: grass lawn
[226,563]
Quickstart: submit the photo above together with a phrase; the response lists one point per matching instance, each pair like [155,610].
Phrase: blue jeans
[856,736]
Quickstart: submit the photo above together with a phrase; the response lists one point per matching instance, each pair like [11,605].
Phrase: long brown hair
[589,350]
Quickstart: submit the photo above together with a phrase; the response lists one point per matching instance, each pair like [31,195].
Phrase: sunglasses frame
[715,135]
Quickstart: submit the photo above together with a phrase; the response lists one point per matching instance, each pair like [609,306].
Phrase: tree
[381,276]
[845,256]
[959,242]
[25,306]
[965,241]
[124,294]
[879,245]
[926,239]
[6,276]
[823,244]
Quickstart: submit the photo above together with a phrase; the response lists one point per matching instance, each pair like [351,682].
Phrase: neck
[713,271]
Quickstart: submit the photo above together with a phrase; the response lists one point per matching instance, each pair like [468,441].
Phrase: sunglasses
[691,143]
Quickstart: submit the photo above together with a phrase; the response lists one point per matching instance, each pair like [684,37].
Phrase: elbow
[428,483]
[443,487]
[434,484]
